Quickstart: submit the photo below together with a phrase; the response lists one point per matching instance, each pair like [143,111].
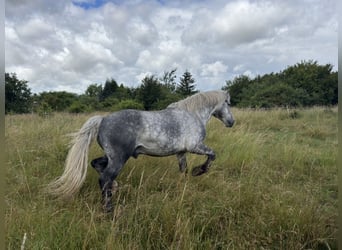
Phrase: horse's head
[223,113]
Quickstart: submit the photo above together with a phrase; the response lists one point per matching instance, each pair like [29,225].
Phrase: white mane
[201,100]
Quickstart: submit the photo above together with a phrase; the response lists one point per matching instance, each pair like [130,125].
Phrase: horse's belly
[158,147]
[153,151]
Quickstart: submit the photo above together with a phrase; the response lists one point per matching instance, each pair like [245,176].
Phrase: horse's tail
[76,163]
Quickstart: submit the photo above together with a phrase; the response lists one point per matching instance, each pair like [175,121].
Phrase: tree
[17,94]
[109,89]
[276,95]
[186,85]
[318,81]
[236,88]
[94,90]
[123,93]
[304,84]
[150,92]
[169,80]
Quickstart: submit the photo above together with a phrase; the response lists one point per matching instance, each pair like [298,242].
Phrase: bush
[275,95]
[127,104]
[77,107]
[44,109]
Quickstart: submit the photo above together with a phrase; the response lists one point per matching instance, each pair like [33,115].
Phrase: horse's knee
[109,174]
[106,178]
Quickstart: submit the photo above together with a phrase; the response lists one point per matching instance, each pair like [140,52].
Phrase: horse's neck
[204,114]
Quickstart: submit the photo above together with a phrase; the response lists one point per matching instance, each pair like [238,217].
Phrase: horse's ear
[228,96]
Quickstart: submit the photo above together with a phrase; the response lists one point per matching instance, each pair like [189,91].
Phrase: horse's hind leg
[107,177]
[182,162]
[203,150]
[99,164]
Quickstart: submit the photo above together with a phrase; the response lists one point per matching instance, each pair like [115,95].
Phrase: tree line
[304,84]
[153,93]
[301,85]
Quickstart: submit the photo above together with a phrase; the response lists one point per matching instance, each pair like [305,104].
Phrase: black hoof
[107,204]
[185,171]
[108,208]
[197,171]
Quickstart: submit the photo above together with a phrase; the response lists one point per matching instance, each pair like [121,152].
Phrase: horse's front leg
[203,150]
[182,162]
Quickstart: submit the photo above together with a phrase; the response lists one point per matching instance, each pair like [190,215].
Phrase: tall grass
[272,186]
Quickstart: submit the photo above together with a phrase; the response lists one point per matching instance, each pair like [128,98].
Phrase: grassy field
[272,186]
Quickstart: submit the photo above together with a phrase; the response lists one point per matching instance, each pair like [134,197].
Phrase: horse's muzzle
[230,123]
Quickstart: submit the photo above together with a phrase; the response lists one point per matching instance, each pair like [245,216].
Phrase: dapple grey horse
[178,129]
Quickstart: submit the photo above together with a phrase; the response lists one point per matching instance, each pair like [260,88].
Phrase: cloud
[141,32]
[142,75]
[238,22]
[67,45]
[213,69]
[35,29]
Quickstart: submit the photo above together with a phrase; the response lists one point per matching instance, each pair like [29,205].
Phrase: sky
[67,45]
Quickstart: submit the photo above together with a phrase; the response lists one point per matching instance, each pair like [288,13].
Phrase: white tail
[77,160]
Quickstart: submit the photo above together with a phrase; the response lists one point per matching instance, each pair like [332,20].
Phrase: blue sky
[67,45]
[89,4]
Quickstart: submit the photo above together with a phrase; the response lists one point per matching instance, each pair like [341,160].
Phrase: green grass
[272,186]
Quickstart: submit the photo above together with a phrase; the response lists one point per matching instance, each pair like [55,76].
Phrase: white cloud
[214,69]
[238,22]
[85,55]
[35,29]
[238,67]
[142,33]
[98,34]
[144,58]
[58,45]
[142,75]
[244,22]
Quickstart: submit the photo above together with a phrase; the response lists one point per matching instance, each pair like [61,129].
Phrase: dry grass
[272,186]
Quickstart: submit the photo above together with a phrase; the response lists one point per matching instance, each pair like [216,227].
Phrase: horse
[175,130]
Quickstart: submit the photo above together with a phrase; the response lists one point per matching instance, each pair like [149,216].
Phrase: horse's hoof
[108,208]
[107,205]
[197,171]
